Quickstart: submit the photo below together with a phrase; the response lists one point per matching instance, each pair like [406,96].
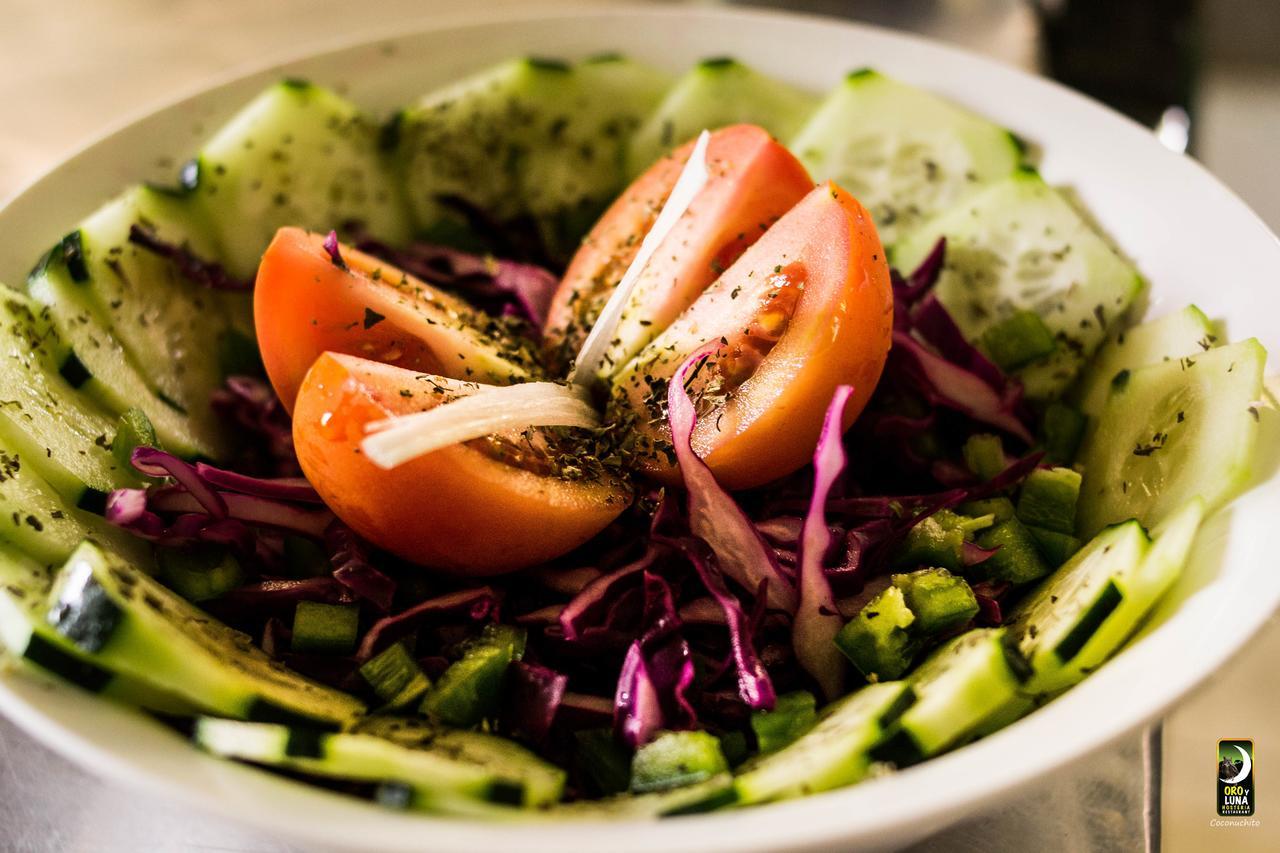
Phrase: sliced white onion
[693,178]
[485,410]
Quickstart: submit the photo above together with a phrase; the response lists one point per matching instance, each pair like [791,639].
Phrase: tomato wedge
[483,507]
[753,180]
[807,308]
[305,304]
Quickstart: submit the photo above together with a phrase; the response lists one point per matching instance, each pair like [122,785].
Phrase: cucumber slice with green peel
[37,521]
[298,154]
[24,634]
[1077,619]
[128,623]
[98,360]
[1170,432]
[714,793]
[426,761]
[1183,333]
[832,754]
[1020,246]
[43,419]
[170,327]
[1057,619]
[676,759]
[529,138]
[716,93]
[959,688]
[526,778]
[904,153]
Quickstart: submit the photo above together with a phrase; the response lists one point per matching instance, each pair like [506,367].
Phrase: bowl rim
[790,825]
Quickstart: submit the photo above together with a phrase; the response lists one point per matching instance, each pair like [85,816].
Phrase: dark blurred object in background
[1139,56]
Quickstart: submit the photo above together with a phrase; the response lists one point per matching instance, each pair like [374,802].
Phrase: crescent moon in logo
[1245,766]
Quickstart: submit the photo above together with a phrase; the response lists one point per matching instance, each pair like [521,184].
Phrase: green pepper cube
[395,676]
[1018,340]
[878,640]
[604,761]
[1048,499]
[676,759]
[938,599]
[1062,429]
[792,715]
[133,430]
[199,572]
[935,541]
[1055,547]
[470,690]
[1000,509]
[984,455]
[1017,559]
[327,629]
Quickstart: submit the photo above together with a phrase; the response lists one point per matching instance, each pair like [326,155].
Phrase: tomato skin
[457,509]
[753,180]
[304,304]
[823,264]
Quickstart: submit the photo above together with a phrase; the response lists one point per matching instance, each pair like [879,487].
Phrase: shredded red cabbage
[817,618]
[251,409]
[533,697]
[657,673]
[190,265]
[714,516]
[354,569]
[500,287]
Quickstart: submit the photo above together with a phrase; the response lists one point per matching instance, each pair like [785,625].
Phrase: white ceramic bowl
[1193,239]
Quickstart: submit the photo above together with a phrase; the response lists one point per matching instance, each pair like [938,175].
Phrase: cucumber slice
[24,591]
[904,153]
[1143,584]
[716,93]
[834,753]
[426,761]
[35,519]
[1058,618]
[959,688]
[128,623]
[1172,431]
[527,138]
[170,327]
[298,154]
[1183,333]
[1019,246]
[716,792]
[43,420]
[108,375]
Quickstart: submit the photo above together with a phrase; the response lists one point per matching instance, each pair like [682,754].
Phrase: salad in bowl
[582,443]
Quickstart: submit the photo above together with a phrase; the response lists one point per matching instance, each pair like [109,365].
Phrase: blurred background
[1205,76]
